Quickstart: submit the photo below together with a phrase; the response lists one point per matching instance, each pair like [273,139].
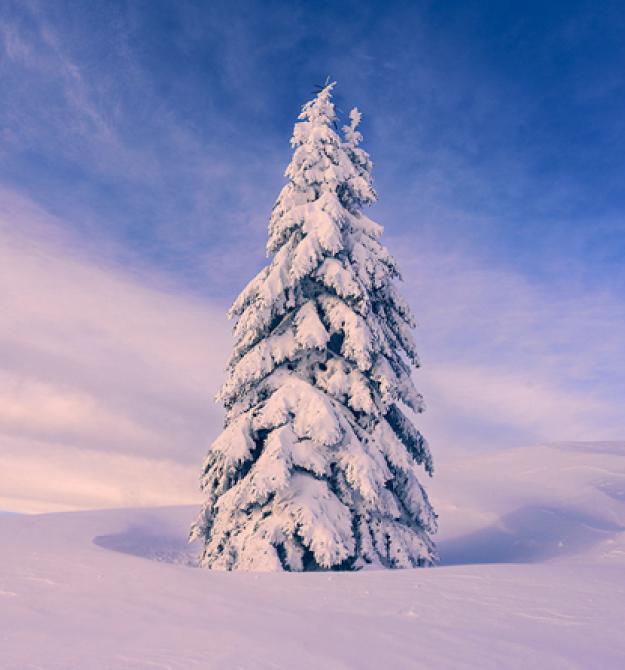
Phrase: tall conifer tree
[317,466]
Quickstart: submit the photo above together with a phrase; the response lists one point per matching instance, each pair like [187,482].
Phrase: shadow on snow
[148,543]
[528,535]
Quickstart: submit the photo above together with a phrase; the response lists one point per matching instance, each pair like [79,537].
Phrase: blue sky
[147,140]
[165,125]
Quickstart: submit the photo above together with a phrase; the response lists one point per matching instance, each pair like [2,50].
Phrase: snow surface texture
[533,551]
[318,466]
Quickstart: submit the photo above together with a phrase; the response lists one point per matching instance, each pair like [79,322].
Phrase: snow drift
[533,549]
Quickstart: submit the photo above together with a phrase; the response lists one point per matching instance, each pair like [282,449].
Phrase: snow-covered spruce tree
[317,465]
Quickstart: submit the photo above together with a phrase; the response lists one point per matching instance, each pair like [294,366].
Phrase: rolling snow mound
[532,543]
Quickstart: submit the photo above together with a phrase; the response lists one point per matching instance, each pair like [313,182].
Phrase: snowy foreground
[533,542]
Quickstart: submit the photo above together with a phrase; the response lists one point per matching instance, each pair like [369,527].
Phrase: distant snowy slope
[533,539]
[532,503]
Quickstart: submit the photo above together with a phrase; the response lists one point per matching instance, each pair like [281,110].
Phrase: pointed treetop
[321,106]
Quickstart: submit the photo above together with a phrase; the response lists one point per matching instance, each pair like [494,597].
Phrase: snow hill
[533,575]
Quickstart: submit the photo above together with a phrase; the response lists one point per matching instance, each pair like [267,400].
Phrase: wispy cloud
[95,359]
[507,361]
[161,166]
[107,376]
[182,197]
[48,476]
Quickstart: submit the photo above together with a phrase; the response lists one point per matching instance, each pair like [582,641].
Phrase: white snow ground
[533,546]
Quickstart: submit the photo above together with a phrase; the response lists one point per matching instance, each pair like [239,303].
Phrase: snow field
[533,575]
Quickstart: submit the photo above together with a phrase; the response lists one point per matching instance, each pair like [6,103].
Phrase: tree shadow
[528,535]
[148,543]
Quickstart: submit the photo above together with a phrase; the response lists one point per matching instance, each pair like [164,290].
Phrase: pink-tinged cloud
[96,362]
[107,378]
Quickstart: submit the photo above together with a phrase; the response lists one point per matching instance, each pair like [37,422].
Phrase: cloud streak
[508,361]
[161,165]
[95,360]
[107,376]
